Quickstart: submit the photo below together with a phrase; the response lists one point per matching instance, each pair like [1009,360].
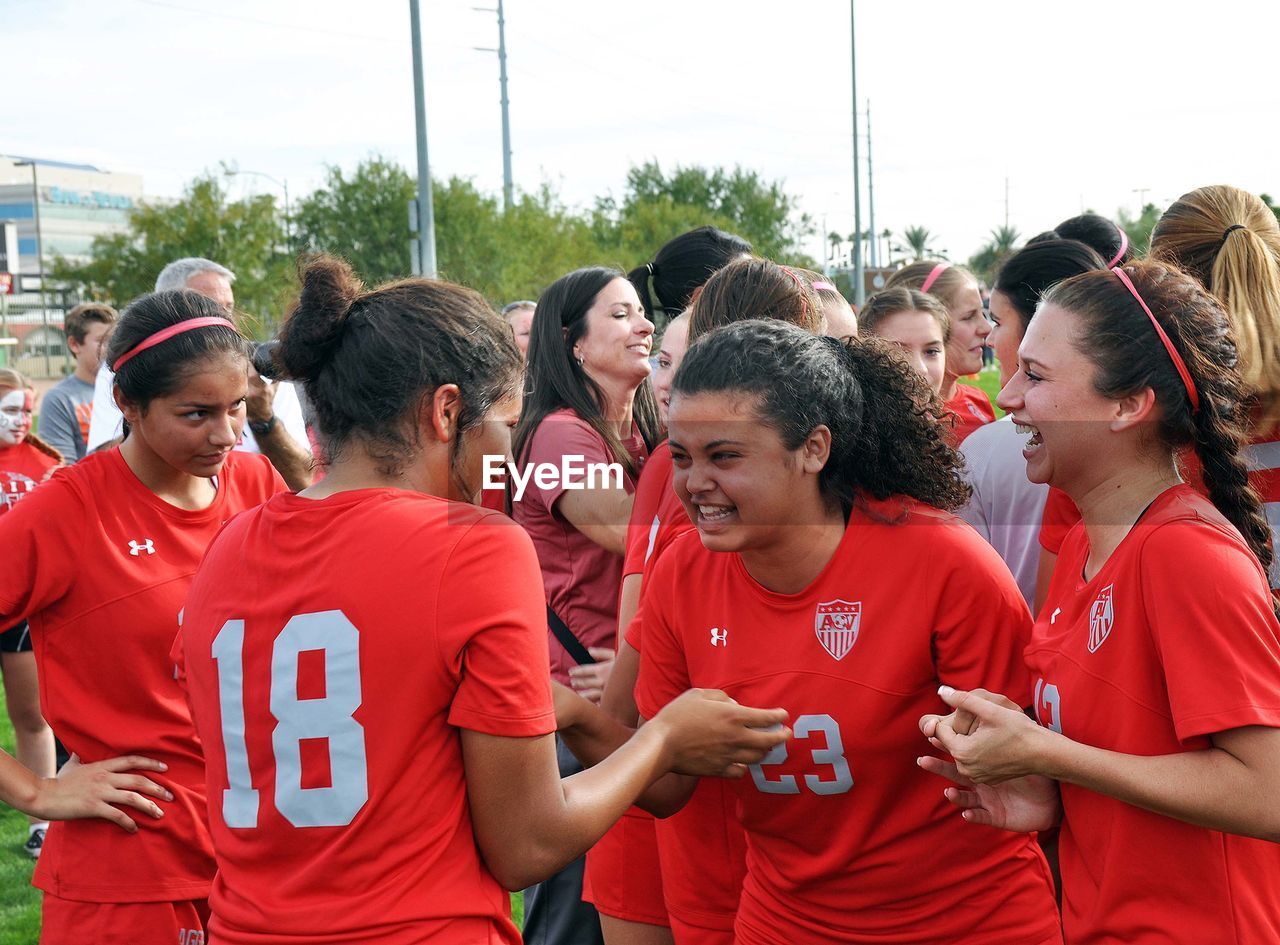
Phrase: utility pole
[871,197]
[1142,198]
[44,302]
[507,186]
[859,281]
[426,218]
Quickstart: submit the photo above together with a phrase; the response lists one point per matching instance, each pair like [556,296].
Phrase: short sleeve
[1210,612]
[975,510]
[1060,516]
[982,624]
[58,424]
[491,627]
[39,542]
[664,672]
[642,529]
[560,435]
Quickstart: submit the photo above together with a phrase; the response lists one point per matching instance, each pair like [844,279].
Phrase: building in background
[55,209]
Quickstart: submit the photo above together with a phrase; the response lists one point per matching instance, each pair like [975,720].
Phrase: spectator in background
[64,421]
[275,425]
[916,324]
[519,316]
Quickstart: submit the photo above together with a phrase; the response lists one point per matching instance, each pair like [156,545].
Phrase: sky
[1084,106]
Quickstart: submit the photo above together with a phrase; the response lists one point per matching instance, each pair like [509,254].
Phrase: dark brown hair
[755,288]
[369,358]
[555,381]
[946,285]
[888,302]
[883,441]
[1118,337]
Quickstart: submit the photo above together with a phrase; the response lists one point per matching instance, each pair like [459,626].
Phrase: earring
[579,360]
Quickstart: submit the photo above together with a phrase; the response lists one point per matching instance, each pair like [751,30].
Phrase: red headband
[1179,365]
[164,334]
[932,277]
[1124,245]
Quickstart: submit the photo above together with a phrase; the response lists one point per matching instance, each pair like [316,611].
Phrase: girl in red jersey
[366,660]
[98,560]
[1156,656]
[957,289]
[25,462]
[828,579]
[916,324]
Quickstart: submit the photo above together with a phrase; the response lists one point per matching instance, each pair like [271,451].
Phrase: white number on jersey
[330,718]
[1048,706]
[841,778]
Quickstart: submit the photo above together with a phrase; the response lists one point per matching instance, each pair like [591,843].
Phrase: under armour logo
[137,548]
[719,637]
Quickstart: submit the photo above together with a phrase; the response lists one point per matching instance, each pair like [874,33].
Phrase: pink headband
[164,334]
[825,286]
[1124,245]
[1179,365]
[932,277]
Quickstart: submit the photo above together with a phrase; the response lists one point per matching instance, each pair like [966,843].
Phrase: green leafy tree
[247,236]
[1139,228]
[1271,205]
[362,216]
[987,261]
[919,242]
[656,206]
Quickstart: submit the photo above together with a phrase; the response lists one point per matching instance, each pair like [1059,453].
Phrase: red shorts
[623,878]
[686,934]
[70,922]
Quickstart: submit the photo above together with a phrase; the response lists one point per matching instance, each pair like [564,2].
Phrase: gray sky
[1078,105]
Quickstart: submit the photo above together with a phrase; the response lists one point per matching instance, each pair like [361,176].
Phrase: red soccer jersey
[334,649]
[1173,640]
[100,566]
[840,820]
[22,468]
[971,408]
[657,516]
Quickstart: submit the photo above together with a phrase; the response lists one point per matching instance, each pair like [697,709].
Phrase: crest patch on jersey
[836,622]
[1102,616]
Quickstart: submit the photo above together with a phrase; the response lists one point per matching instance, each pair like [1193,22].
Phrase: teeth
[1025,428]
[713,513]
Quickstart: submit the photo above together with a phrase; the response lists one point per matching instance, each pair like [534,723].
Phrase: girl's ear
[132,412]
[815,451]
[441,412]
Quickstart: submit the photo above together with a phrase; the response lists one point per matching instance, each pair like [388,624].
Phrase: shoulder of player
[251,474]
[1185,523]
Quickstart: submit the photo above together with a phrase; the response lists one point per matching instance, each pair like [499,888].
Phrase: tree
[919,242]
[1271,205]
[363,217]
[246,236]
[987,261]
[656,206]
[1139,228]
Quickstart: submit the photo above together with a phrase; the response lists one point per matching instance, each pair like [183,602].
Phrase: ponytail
[886,435]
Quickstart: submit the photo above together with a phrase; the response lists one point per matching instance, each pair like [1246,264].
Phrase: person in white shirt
[1006,508]
[275,426]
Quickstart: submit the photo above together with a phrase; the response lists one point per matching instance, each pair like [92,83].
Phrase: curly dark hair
[886,438]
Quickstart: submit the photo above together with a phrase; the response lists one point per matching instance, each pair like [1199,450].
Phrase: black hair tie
[1234,226]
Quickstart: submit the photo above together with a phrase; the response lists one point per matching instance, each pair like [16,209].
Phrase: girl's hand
[990,738]
[86,791]
[707,733]
[588,679]
[1022,805]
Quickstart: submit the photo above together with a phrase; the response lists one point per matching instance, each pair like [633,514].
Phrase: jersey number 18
[330,718]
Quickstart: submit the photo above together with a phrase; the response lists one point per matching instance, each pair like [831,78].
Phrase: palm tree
[1003,239]
[835,239]
[918,240]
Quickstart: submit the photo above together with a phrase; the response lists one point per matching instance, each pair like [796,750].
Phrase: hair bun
[314,328]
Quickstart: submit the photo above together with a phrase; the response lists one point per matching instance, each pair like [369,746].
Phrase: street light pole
[507,186]
[859,279]
[426,218]
[44,305]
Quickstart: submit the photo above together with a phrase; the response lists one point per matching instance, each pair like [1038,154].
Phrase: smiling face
[738,482]
[194,428]
[918,336]
[614,348]
[16,407]
[1006,334]
[670,354]
[1052,394]
[969,329]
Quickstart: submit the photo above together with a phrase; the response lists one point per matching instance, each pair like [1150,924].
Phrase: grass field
[19,902]
[989,381]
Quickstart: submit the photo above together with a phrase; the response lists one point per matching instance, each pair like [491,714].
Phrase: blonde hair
[1230,241]
[889,302]
[946,285]
[13,380]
